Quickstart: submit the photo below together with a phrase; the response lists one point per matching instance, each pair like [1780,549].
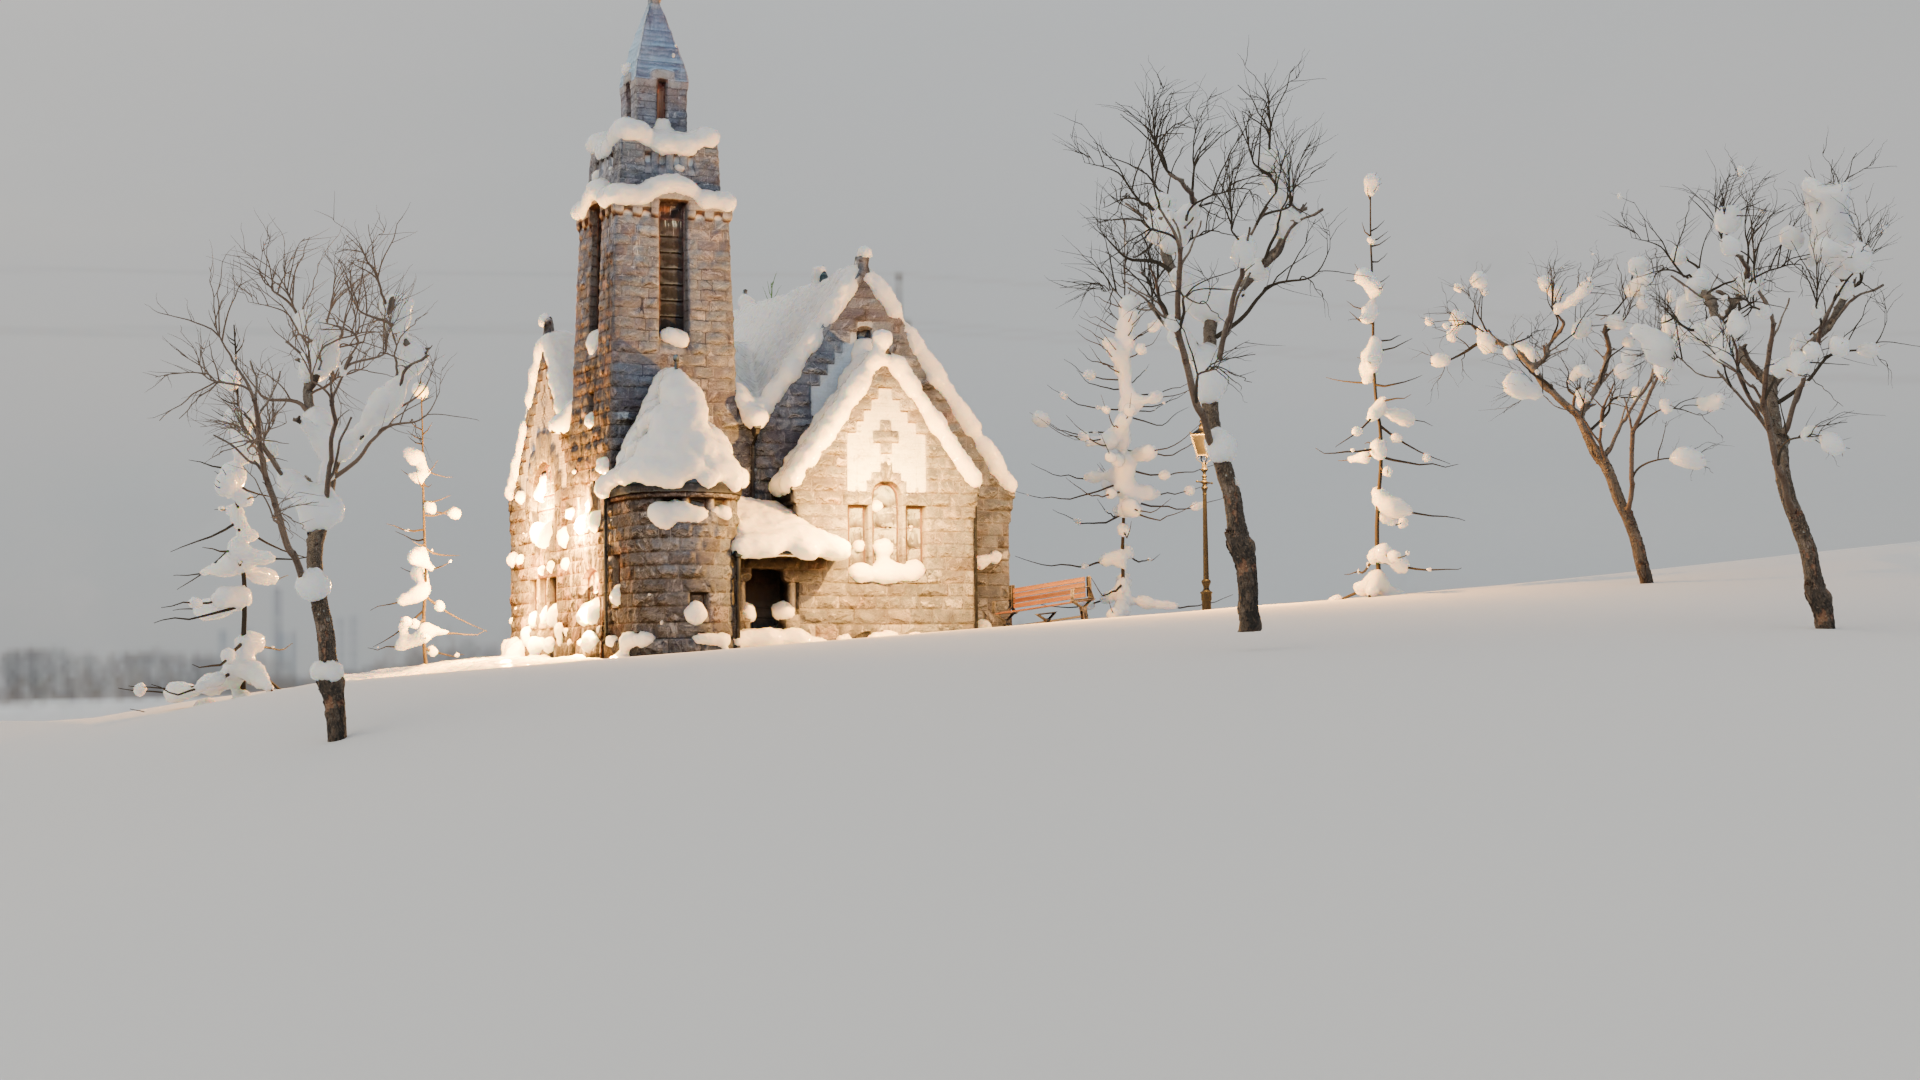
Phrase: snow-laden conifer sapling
[416,631]
[1123,451]
[1596,350]
[305,355]
[246,565]
[1203,214]
[1768,288]
[1389,420]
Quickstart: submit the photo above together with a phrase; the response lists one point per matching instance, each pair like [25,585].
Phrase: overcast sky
[142,138]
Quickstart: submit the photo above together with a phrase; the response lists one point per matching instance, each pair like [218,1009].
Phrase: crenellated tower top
[655,86]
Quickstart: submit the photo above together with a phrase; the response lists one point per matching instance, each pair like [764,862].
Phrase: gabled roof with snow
[869,357]
[555,360]
[772,339]
[653,47]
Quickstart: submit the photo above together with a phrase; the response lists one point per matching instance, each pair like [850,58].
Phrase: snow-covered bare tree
[415,631]
[1123,453]
[1389,420]
[304,355]
[1585,352]
[1202,213]
[1768,287]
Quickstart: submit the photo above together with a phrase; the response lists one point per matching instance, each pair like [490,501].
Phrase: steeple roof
[653,47]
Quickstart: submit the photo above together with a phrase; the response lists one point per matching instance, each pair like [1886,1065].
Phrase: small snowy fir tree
[1769,288]
[339,364]
[1591,352]
[248,565]
[1119,481]
[1389,421]
[415,631]
[1203,213]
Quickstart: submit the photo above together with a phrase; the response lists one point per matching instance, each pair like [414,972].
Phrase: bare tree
[305,354]
[1202,214]
[1767,287]
[1580,355]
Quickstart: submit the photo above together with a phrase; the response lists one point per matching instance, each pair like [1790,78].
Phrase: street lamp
[1206,538]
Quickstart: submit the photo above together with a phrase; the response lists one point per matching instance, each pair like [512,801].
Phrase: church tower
[655,258]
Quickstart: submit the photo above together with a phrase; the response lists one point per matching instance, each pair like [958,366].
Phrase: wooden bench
[1072,592]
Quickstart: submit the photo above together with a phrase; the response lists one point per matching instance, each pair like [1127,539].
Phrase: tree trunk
[1620,504]
[1819,599]
[333,692]
[1246,572]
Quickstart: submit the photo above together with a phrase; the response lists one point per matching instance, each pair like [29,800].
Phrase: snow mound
[672,441]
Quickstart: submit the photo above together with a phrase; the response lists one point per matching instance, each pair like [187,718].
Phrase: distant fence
[56,673]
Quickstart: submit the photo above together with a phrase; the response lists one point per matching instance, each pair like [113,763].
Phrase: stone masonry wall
[660,571]
[640,98]
[633,163]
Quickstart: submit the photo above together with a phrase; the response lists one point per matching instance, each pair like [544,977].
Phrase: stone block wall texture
[641,95]
[633,163]
[831,603]
[661,570]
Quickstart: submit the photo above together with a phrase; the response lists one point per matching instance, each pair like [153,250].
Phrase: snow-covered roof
[869,357]
[653,47]
[673,440]
[668,185]
[550,349]
[772,339]
[768,530]
[661,138]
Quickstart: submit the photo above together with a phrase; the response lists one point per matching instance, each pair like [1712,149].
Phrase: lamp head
[1199,445]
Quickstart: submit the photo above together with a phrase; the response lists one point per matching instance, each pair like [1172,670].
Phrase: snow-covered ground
[1562,829]
[62,708]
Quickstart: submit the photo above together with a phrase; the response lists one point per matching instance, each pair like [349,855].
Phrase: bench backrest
[1053,593]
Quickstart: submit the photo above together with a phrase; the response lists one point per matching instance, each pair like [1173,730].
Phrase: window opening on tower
[673,265]
[659,99]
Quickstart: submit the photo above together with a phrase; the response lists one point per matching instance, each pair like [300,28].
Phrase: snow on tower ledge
[672,441]
[671,185]
[661,138]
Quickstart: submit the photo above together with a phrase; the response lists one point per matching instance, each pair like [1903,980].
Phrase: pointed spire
[653,48]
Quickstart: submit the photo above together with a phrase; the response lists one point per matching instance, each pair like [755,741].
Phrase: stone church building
[699,466]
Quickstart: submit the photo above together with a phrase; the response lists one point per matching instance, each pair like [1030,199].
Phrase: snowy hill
[1575,828]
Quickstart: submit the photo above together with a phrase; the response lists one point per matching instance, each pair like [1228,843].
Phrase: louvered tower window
[659,99]
[673,265]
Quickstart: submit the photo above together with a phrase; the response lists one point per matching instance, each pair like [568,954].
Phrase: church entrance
[764,589]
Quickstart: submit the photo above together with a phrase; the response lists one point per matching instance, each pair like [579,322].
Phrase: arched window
[673,265]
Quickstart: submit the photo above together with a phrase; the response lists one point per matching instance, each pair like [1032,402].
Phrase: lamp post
[1206,535]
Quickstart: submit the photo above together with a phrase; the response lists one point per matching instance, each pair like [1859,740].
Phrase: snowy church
[702,467]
